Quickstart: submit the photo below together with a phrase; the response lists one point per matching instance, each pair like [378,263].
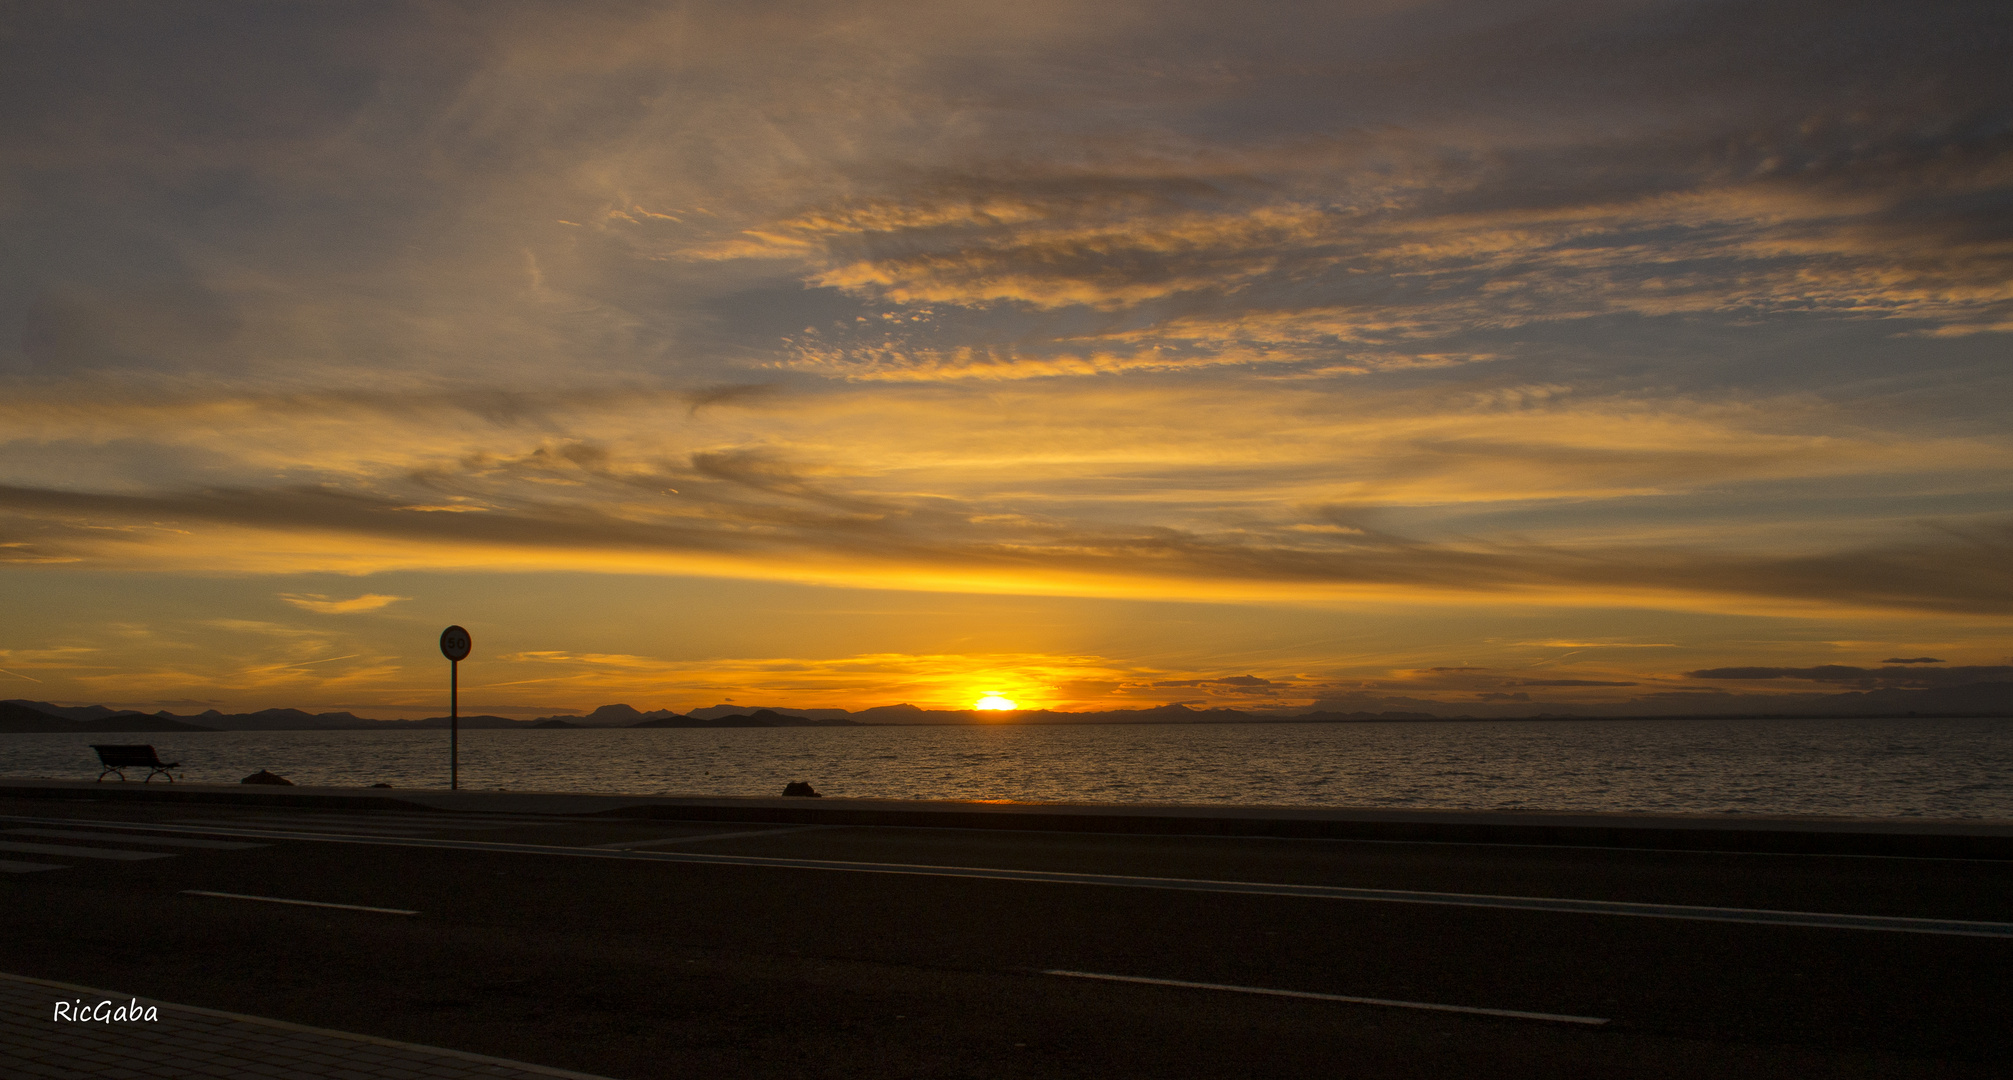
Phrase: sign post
[454,643]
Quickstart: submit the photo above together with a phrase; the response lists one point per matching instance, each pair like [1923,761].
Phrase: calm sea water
[1880,768]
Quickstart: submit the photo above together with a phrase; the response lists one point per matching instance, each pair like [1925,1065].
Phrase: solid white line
[383,821]
[1517,1014]
[301,903]
[346,827]
[631,845]
[1688,912]
[156,841]
[1473,843]
[71,852]
[431,817]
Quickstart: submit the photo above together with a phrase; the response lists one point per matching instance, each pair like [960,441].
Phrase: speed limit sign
[454,643]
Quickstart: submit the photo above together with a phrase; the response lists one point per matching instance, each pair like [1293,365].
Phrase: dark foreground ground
[636,968]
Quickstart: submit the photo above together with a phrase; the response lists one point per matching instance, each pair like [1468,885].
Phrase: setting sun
[995,702]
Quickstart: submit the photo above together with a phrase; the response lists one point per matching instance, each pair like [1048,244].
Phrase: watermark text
[105,1012]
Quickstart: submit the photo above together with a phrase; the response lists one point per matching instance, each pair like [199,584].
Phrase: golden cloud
[327,606]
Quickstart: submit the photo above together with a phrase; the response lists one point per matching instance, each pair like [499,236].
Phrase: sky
[1096,355]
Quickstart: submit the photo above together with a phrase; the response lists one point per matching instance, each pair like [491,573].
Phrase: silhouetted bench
[115,759]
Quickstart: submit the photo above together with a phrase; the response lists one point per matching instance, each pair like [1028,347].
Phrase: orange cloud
[324,605]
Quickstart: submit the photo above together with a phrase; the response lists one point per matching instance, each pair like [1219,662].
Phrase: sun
[994,702]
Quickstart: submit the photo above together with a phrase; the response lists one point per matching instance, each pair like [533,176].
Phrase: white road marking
[1414,842]
[631,845]
[468,815]
[298,903]
[27,867]
[74,852]
[156,841]
[305,819]
[410,823]
[1517,1014]
[344,828]
[1686,912]
[408,816]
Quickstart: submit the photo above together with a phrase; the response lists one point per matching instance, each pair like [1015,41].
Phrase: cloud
[1559,644]
[933,680]
[736,394]
[327,606]
[1341,249]
[1569,682]
[767,519]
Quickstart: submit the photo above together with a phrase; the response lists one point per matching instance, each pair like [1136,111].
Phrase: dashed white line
[1515,1014]
[297,903]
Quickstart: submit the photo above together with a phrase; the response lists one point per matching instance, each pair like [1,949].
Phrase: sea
[1932,768]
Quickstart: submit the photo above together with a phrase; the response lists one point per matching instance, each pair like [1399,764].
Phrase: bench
[116,759]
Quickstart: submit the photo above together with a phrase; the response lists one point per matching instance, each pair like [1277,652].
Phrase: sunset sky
[1097,355]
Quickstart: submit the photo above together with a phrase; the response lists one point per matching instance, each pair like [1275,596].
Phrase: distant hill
[711,712]
[617,716]
[1967,699]
[441,722]
[1320,717]
[767,718]
[71,712]
[282,720]
[16,718]
[702,722]
[904,713]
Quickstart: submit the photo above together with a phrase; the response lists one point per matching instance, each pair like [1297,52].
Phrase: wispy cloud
[808,529]
[938,681]
[324,605]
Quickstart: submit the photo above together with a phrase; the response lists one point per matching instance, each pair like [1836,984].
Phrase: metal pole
[454,725]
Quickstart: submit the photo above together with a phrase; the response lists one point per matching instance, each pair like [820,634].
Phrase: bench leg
[111,772]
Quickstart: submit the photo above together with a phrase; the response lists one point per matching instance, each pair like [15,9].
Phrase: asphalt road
[643,967]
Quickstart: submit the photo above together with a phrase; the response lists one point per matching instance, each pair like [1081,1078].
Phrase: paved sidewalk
[187,1041]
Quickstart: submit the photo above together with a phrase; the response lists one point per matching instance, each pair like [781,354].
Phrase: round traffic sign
[454,643]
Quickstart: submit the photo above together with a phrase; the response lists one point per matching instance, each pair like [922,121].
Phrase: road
[633,948]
